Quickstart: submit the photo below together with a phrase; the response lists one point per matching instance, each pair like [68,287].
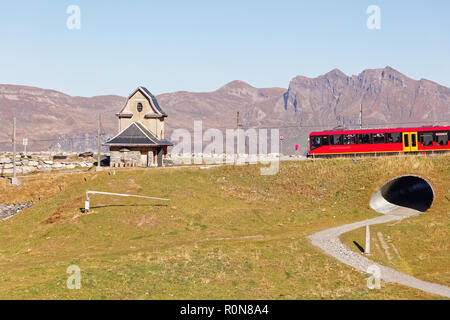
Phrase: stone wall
[24,166]
[125,159]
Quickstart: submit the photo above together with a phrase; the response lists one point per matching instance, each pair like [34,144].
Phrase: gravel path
[328,241]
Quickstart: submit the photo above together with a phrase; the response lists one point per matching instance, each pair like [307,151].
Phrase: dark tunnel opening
[410,192]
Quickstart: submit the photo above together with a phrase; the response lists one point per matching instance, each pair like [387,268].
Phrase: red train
[379,141]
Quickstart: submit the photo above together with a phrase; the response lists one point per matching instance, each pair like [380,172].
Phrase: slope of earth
[419,245]
[228,232]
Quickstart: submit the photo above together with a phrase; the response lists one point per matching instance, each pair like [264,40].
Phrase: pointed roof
[151,98]
[136,135]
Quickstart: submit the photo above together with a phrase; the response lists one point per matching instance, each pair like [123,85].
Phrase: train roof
[385,130]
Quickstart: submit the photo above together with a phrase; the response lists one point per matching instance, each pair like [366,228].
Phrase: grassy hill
[227,233]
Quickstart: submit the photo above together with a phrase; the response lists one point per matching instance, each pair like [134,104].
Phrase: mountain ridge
[334,98]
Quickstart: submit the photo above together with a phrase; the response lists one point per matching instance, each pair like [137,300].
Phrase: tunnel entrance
[407,191]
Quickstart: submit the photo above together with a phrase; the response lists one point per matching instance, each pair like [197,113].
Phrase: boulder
[27,169]
[57,165]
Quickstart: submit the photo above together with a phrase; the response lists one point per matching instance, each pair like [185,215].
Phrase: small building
[140,141]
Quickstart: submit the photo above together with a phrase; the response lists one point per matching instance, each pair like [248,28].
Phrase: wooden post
[367,248]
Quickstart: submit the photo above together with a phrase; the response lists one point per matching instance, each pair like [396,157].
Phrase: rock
[8,211]
[86,155]
[59,157]
[44,167]
[28,169]
[57,165]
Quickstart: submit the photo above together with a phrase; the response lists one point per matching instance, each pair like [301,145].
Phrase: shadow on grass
[359,246]
[125,205]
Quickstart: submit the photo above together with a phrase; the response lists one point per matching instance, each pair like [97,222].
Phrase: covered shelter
[140,141]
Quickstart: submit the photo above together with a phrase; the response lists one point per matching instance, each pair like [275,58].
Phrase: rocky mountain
[389,98]
[45,116]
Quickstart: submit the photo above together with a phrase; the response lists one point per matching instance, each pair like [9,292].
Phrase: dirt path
[328,240]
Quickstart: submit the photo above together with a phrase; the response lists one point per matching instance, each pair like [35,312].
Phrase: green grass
[228,232]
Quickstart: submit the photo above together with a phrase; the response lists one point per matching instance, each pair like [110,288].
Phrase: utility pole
[238,119]
[14,180]
[360,116]
[99,146]
[25,143]
[238,125]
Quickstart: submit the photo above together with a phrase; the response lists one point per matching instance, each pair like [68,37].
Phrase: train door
[410,143]
[406,142]
[414,141]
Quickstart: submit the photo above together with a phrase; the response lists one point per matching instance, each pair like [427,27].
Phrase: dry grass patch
[228,232]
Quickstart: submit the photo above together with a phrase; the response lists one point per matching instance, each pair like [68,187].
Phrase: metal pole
[14,148]
[87,202]
[367,249]
[360,116]
[14,180]
[238,125]
[99,165]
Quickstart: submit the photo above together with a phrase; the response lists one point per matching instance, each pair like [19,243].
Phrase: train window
[364,138]
[394,137]
[442,138]
[426,138]
[378,138]
[349,139]
[337,139]
[318,141]
[414,140]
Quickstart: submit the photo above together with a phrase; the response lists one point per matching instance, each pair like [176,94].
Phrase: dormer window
[139,107]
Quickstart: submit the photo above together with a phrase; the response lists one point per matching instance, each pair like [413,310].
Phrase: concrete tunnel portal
[407,191]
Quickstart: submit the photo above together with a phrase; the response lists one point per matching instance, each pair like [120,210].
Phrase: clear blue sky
[201,45]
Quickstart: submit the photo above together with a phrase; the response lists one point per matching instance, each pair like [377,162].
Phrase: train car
[379,141]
